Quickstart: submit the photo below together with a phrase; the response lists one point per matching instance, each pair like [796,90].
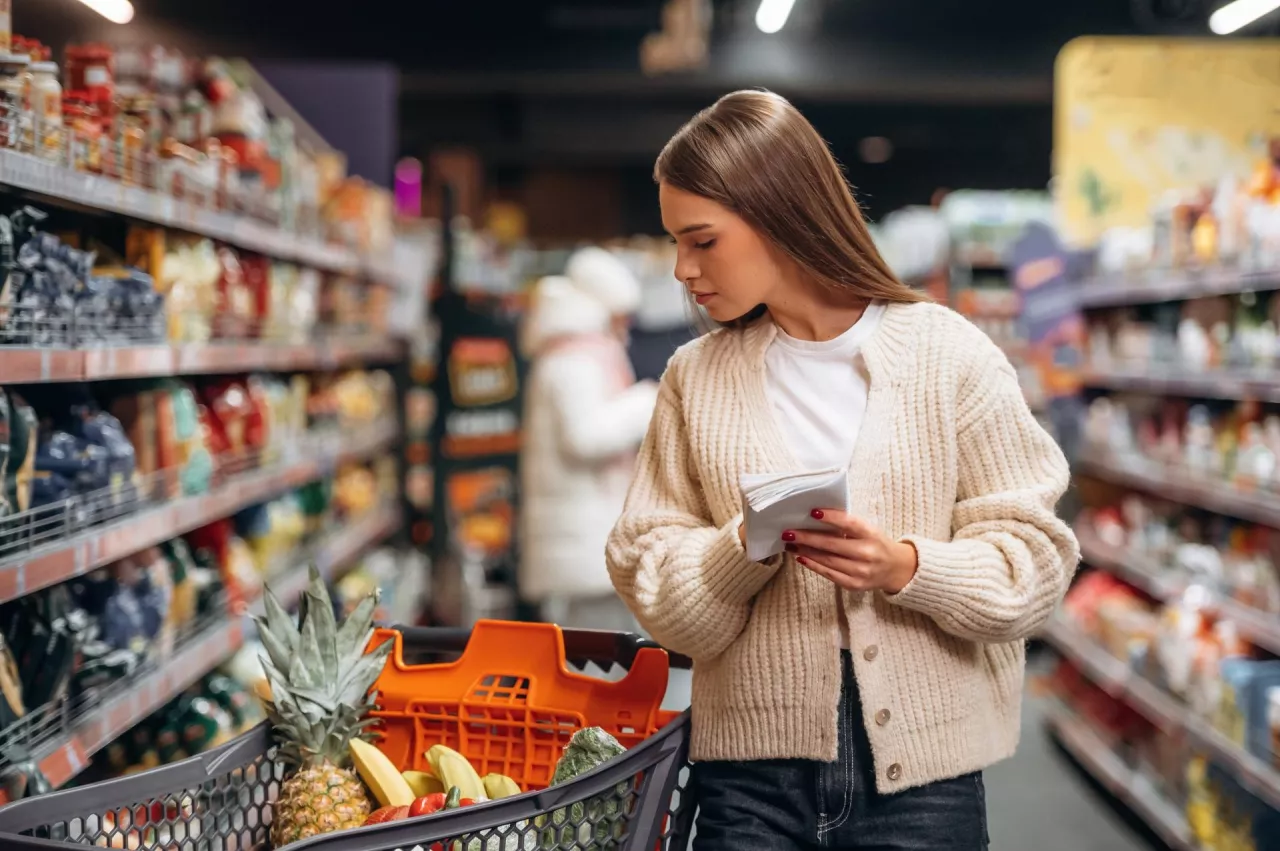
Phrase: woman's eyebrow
[691,229]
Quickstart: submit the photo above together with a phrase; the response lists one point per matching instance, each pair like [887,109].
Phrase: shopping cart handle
[601,646]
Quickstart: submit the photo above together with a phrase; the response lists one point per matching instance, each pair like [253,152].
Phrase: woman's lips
[703,298]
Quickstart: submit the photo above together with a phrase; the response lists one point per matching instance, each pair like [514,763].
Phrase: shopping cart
[221,800]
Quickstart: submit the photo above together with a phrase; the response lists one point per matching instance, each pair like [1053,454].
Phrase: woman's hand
[854,554]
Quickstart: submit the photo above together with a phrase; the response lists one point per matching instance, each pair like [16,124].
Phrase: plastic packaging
[44,103]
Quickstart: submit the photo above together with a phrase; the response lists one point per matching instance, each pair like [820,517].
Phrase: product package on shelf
[1180,661]
[190,129]
[1230,224]
[1233,444]
[1234,333]
[1169,545]
[55,294]
[209,713]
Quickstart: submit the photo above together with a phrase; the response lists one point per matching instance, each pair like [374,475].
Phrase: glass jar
[91,69]
[44,105]
[83,126]
[12,98]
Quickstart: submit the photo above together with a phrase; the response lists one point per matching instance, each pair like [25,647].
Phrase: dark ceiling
[961,87]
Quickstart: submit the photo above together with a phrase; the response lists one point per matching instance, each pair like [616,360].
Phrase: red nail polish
[788,536]
[802,560]
[817,514]
[792,548]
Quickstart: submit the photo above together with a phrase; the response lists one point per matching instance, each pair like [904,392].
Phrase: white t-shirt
[818,392]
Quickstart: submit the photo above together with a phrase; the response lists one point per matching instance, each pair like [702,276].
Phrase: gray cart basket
[221,800]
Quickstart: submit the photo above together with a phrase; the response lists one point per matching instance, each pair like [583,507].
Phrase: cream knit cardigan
[949,458]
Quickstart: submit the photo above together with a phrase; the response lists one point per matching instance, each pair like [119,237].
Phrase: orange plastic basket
[510,704]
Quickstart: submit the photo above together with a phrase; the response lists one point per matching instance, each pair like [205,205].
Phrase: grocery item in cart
[320,678]
[223,800]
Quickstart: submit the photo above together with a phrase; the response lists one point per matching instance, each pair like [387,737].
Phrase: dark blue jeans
[785,805]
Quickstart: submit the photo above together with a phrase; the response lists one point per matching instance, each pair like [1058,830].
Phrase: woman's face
[725,264]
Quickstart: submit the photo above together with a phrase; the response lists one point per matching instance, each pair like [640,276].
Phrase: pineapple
[319,676]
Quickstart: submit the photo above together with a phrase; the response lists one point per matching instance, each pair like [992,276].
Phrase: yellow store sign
[1137,117]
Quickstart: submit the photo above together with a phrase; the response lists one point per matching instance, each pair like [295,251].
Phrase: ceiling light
[1240,14]
[772,15]
[115,11]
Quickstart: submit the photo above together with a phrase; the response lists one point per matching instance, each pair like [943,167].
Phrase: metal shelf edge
[32,174]
[63,761]
[1187,490]
[101,546]
[21,365]
[1156,285]
[1261,628]
[1127,785]
[1224,384]
[1162,709]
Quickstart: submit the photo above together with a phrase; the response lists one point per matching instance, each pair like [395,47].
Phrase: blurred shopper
[848,692]
[585,415]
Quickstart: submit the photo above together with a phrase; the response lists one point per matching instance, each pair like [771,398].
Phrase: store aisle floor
[1037,801]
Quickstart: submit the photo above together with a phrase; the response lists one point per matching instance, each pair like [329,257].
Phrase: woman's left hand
[854,554]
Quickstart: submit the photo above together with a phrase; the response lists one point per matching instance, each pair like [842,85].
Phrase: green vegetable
[599,818]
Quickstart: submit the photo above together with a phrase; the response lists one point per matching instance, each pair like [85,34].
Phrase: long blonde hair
[755,154]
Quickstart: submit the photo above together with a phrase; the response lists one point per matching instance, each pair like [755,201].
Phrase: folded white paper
[772,503]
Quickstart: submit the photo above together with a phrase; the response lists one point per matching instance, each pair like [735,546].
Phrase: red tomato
[427,804]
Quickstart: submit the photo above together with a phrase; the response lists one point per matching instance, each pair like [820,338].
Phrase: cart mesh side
[222,801]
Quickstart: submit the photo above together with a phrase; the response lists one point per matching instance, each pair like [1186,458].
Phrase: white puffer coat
[584,418]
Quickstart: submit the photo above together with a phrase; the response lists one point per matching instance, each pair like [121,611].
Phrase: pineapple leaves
[362,674]
[278,651]
[354,634]
[280,625]
[320,677]
[320,617]
[308,662]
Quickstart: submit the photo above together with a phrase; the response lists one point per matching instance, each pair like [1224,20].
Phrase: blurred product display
[1169,684]
[201,399]
[244,383]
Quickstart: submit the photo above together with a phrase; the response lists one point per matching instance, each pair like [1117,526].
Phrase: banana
[498,786]
[380,775]
[453,769]
[422,783]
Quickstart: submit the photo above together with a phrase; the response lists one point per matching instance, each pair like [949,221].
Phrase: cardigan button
[871,653]
[882,717]
[894,773]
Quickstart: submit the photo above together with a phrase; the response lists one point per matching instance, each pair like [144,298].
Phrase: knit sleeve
[1010,557]
[687,580]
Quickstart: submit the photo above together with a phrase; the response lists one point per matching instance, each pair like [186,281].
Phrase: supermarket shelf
[1260,385]
[1256,626]
[26,365]
[1157,285]
[1162,709]
[337,553]
[1127,785]
[67,755]
[1178,486]
[102,545]
[54,181]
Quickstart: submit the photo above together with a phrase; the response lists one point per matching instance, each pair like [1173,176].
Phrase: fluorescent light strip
[115,11]
[772,15]
[1240,14]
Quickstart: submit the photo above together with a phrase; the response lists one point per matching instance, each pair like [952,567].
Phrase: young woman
[848,693]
